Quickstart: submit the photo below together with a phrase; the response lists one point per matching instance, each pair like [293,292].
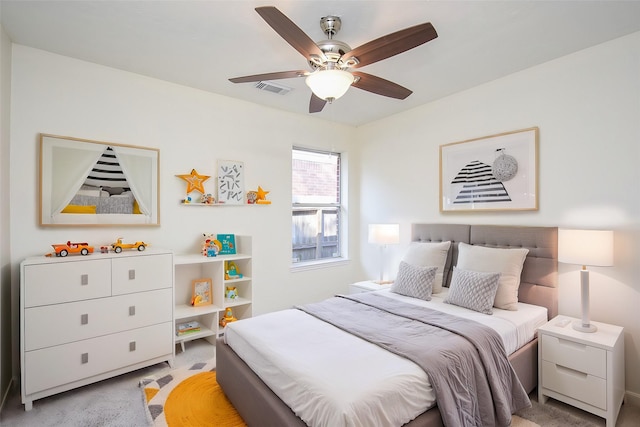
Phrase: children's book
[187,328]
[228,242]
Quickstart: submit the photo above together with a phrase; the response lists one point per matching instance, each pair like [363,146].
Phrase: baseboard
[631,398]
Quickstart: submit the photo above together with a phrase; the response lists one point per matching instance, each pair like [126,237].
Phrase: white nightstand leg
[542,399]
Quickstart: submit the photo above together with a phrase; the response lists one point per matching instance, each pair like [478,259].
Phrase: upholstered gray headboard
[539,281]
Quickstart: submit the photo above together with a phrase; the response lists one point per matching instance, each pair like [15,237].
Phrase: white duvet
[332,378]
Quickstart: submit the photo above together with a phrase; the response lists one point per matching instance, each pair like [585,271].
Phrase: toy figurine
[232,292]
[228,317]
[232,271]
[252,196]
[207,199]
[210,246]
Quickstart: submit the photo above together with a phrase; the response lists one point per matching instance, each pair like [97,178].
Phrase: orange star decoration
[262,197]
[195,181]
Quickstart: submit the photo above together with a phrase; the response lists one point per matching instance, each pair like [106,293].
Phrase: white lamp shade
[384,234]
[329,84]
[586,247]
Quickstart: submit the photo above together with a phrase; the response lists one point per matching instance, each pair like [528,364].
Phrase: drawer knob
[84,279]
[132,274]
[132,346]
[84,358]
[84,319]
[132,310]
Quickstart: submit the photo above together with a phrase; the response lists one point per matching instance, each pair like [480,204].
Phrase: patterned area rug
[188,397]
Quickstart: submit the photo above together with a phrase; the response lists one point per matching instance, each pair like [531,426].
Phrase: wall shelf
[223,204]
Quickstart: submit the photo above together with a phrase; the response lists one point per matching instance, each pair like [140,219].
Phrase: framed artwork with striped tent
[85,182]
[491,173]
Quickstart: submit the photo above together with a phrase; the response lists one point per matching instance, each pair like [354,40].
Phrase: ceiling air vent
[273,87]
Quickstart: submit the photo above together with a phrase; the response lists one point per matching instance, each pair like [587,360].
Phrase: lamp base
[578,326]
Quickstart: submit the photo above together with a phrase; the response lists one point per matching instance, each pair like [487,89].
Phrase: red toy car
[72,248]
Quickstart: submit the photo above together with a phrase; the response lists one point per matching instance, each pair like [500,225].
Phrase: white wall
[193,129]
[587,106]
[6,341]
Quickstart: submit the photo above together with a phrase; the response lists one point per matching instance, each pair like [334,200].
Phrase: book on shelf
[228,242]
[187,328]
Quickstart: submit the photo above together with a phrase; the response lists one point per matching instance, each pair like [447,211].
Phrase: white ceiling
[202,44]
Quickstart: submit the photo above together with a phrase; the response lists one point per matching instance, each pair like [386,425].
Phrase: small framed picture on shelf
[228,242]
[201,292]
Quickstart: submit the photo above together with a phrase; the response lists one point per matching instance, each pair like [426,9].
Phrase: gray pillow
[429,254]
[474,290]
[414,281]
[121,204]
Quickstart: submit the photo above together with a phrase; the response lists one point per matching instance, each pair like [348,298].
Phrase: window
[316,208]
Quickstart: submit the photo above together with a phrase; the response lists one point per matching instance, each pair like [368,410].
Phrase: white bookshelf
[195,266]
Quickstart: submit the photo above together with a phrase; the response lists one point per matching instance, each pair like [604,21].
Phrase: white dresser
[583,369]
[87,318]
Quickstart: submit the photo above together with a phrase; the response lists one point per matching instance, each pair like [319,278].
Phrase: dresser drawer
[576,356]
[142,273]
[53,366]
[578,385]
[52,325]
[66,281]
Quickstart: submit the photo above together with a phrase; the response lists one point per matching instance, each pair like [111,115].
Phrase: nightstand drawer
[576,356]
[586,388]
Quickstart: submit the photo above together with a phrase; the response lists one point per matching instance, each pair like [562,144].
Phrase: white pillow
[429,254]
[414,281]
[508,262]
[473,290]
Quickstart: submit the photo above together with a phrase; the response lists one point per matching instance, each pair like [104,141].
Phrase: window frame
[338,206]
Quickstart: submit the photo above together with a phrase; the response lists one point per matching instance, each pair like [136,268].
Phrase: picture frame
[230,183]
[201,292]
[492,173]
[75,190]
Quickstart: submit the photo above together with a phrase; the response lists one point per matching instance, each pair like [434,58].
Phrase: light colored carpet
[549,415]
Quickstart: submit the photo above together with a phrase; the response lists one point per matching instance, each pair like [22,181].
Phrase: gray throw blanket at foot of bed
[474,383]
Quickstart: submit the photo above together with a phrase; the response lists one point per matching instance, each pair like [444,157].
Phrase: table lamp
[383,235]
[585,247]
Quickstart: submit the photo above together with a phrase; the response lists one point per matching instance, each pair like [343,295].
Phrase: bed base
[259,406]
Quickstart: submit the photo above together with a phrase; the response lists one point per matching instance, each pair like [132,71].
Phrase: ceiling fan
[331,60]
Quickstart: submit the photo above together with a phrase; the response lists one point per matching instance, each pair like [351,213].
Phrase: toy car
[72,248]
[119,246]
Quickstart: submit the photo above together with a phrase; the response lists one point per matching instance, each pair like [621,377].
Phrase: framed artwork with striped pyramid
[491,173]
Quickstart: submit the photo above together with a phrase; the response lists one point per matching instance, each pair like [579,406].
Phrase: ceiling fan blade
[270,76]
[290,32]
[391,44]
[380,86]
[316,104]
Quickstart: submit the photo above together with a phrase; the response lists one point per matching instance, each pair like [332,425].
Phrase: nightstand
[585,370]
[367,286]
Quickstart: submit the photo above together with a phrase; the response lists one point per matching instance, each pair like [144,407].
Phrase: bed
[259,405]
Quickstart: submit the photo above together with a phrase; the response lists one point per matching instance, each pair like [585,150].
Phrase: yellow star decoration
[262,196]
[195,181]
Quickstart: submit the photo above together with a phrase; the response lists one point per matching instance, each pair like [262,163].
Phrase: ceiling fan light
[329,84]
